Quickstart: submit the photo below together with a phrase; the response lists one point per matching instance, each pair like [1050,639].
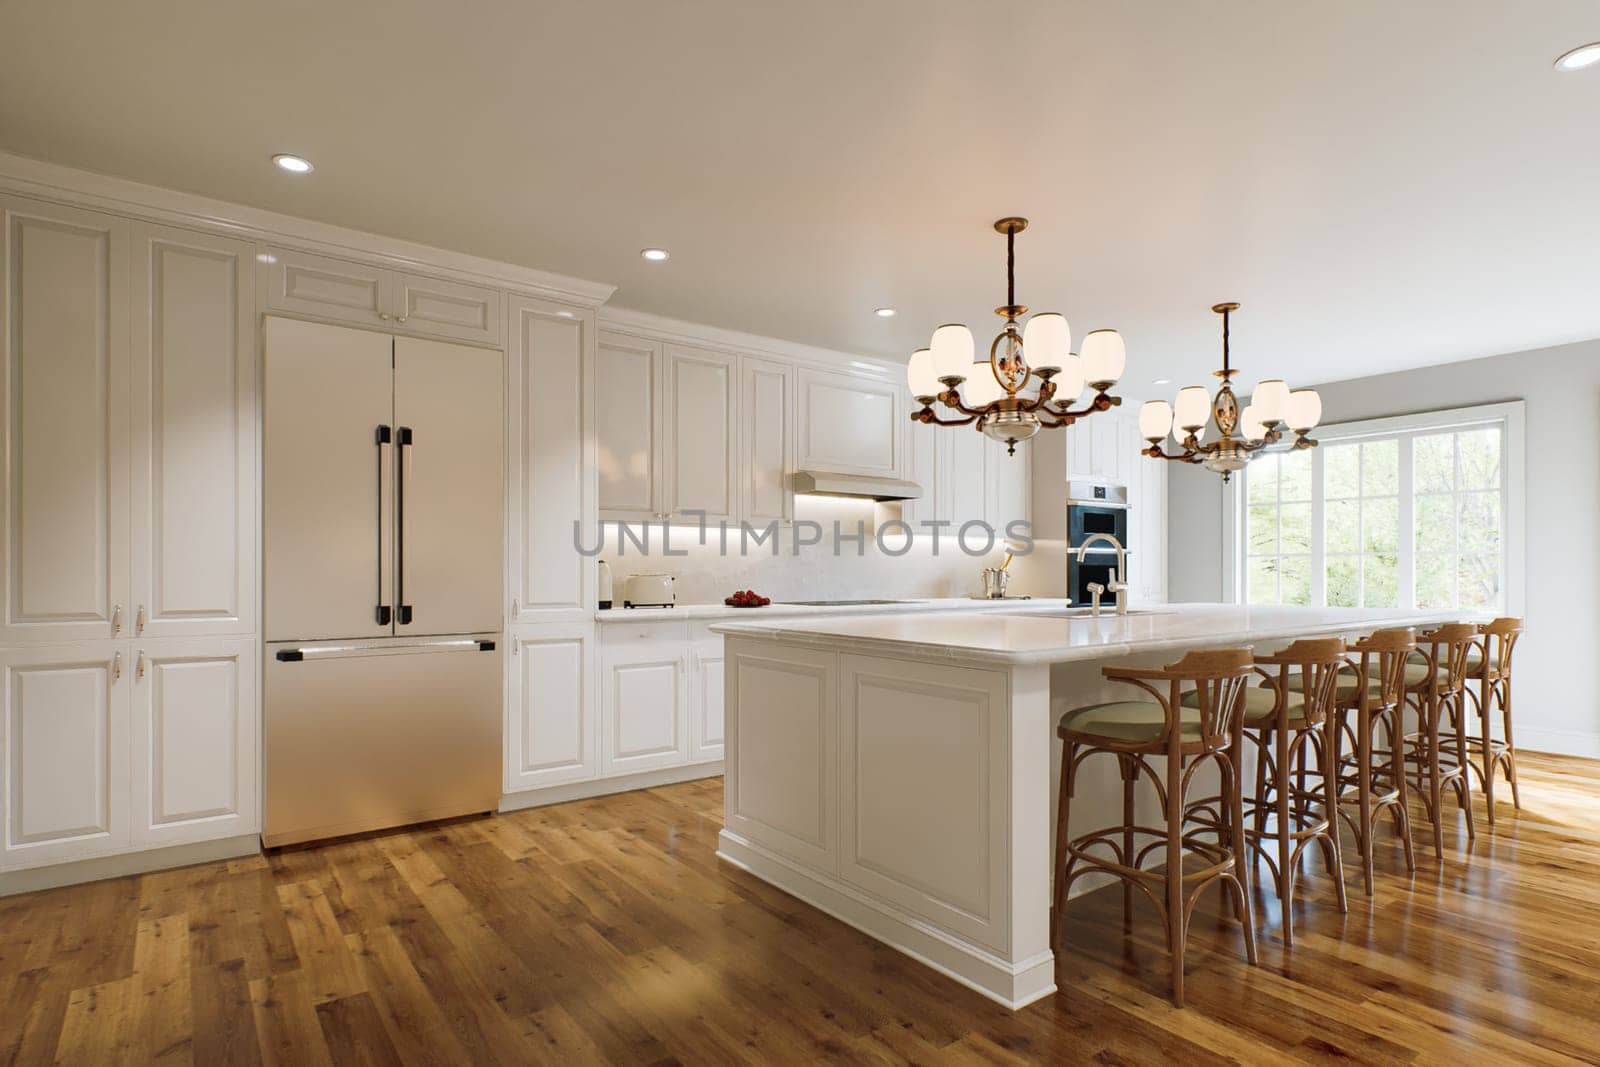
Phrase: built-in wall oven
[1094,508]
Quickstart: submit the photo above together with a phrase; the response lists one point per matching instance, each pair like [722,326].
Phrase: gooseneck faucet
[1119,574]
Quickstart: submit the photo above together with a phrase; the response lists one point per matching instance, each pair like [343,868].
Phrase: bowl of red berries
[747,598]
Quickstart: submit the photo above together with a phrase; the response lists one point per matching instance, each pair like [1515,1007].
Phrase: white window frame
[1510,417]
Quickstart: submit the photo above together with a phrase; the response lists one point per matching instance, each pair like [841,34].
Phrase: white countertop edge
[1110,649]
[777,610]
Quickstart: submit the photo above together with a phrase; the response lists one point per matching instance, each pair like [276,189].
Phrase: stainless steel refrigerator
[382,547]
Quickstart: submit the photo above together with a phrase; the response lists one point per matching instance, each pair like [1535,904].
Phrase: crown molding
[676,331]
[80,188]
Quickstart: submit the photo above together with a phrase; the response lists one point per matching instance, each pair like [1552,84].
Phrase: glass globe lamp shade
[952,351]
[920,375]
[1193,408]
[1104,356]
[1251,424]
[1271,400]
[1069,382]
[981,388]
[1155,420]
[1046,341]
[1304,410]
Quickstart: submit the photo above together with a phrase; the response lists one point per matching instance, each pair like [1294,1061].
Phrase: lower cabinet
[66,765]
[118,745]
[645,696]
[194,740]
[552,730]
[705,693]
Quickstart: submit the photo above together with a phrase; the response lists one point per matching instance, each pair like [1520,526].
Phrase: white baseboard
[599,787]
[126,863]
[1012,985]
[1560,742]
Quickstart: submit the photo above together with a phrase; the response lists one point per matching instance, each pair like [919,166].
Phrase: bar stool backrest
[1316,663]
[1499,637]
[1218,676]
[1447,647]
[1383,658]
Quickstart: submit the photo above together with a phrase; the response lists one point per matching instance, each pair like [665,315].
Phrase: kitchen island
[898,771]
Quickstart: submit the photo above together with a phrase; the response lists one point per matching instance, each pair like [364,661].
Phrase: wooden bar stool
[1290,721]
[1135,731]
[1374,699]
[1437,752]
[1491,669]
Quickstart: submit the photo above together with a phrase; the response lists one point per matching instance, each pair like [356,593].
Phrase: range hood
[866,486]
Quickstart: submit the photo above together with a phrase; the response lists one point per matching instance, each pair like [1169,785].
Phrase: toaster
[649,591]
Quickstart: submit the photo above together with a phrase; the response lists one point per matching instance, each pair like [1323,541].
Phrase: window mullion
[1405,536]
[1319,590]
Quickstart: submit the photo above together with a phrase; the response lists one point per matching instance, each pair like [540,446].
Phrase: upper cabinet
[194,434]
[64,402]
[365,295]
[700,449]
[1009,485]
[627,426]
[850,424]
[552,459]
[766,409]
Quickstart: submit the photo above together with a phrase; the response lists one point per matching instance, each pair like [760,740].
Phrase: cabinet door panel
[64,324]
[626,371]
[331,288]
[552,459]
[645,698]
[447,309]
[706,695]
[553,734]
[194,472]
[66,752]
[849,424]
[701,455]
[964,453]
[767,418]
[194,740]
[1006,477]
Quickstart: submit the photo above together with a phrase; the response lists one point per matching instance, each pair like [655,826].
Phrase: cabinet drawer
[622,635]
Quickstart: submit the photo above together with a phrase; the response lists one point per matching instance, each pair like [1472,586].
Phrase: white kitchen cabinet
[1009,484]
[193,494]
[66,757]
[705,693]
[850,424]
[365,295]
[922,446]
[194,739]
[552,729]
[1147,519]
[551,460]
[627,427]
[644,696]
[700,446]
[64,402]
[963,496]
[766,451]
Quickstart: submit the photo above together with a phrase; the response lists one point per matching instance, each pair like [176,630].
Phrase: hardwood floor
[607,930]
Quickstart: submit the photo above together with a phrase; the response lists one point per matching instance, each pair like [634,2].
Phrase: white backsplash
[705,574]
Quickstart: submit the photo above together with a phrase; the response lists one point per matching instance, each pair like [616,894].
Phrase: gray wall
[1557,669]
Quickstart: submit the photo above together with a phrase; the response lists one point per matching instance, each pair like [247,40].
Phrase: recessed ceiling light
[293,164]
[1585,55]
[884,313]
[655,255]
[1162,381]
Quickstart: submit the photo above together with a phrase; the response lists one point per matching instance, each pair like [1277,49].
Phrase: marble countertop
[1038,632]
[777,610]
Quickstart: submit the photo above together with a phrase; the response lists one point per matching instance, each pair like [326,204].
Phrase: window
[1417,511]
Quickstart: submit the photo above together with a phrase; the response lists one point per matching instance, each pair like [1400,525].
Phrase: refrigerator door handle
[381,437]
[320,652]
[402,438]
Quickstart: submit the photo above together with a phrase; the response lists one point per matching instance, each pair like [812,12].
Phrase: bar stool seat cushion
[1417,669]
[1128,720]
[1259,701]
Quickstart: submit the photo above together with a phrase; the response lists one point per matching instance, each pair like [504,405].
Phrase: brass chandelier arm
[927,415]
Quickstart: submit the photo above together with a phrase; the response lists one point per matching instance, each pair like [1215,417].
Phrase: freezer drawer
[362,735]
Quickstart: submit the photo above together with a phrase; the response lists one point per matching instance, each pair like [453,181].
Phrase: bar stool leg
[1328,760]
[1486,694]
[1458,719]
[1063,805]
[1130,777]
[1364,781]
[1396,731]
[1511,748]
[1240,884]
[1177,920]
[1280,761]
[1431,727]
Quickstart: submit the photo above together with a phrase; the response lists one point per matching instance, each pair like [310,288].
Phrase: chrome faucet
[1119,574]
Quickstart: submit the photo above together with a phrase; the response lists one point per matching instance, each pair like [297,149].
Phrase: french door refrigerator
[382,547]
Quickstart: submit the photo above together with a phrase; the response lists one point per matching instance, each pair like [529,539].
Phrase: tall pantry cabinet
[127,535]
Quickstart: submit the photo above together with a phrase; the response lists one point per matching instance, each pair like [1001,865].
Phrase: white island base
[899,772]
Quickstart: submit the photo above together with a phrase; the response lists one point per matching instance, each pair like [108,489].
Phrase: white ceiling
[1380,184]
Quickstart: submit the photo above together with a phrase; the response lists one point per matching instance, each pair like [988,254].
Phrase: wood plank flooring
[607,931]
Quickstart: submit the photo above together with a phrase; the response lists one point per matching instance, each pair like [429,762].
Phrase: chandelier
[1242,433]
[992,391]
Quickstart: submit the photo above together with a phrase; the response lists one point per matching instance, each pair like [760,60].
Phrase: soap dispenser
[605,585]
